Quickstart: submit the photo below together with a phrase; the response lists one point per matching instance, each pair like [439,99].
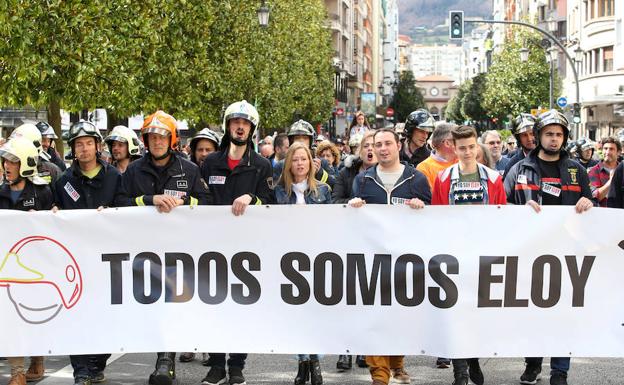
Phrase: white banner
[443,281]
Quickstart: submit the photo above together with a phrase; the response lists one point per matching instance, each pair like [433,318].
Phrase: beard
[552,152]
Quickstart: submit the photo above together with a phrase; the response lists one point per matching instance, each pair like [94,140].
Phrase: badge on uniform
[216,179]
[71,191]
[182,184]
[552,190]
[175,194]
[573,172]
[522,179]
[29,202]
[270,182]
[399,201]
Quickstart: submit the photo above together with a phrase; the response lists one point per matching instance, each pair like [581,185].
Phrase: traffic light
[456,25]
[576,113]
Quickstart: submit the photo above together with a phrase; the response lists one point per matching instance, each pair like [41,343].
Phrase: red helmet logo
[42,277]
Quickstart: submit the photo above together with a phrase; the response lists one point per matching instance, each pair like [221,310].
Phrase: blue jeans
[557,364]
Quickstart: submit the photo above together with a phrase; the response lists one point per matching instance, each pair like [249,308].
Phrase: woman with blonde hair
[297,184]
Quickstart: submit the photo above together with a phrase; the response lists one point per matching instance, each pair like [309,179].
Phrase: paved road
[133,369]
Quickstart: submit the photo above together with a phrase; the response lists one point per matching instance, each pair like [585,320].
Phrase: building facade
[437,91]
[448,60]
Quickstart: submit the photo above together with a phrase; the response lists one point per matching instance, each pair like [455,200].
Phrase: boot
[18,379]
[344,362]
[361,361]
[303,373]
[35,370]
[316,378]
[187,357]
[165,370]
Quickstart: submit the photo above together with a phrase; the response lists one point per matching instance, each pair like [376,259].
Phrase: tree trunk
[54,119]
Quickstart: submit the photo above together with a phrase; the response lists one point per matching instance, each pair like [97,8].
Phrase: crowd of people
[421,162]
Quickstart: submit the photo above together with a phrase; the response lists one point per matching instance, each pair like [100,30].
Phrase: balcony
[334,22]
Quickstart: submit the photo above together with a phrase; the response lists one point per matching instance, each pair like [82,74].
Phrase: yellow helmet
[30,132]
[20,149]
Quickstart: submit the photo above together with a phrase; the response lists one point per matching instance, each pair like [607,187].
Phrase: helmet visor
[85,128]
[5,154]
[156,130]
[116,138]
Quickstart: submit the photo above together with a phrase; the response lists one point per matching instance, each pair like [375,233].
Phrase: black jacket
[513,160]
[253,176]
[521,189]
[615,198]
[73,190]
[56,159]
[179,177]
[418,156]
[33,197]
[341,193]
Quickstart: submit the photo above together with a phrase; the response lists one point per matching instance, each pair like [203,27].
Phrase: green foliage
[512,86]
[453,111]
[188,57]
[471,103]
[407,97]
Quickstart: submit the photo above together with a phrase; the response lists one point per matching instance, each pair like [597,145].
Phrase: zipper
[389,194]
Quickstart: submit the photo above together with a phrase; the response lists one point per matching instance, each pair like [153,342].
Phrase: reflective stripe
[258,201]
[571,188]
[193,202]
[521,186]
[324,177]
[139,201]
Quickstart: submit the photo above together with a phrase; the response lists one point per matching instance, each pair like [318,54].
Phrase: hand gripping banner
[451,281]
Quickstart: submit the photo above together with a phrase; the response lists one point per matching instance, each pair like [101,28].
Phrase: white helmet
[125,135]
[243,110]
[20,149]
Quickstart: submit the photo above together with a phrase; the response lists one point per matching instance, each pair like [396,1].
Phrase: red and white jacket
[447,190]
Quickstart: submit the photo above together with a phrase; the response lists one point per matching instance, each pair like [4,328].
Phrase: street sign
[537,111]
[390,111]
[562,101]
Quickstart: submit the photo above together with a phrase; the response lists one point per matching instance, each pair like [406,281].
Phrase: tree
[188,57]
[512,86]
[453,111]
[407,97]
[471,103]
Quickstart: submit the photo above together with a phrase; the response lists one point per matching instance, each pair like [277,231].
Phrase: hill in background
[419,18]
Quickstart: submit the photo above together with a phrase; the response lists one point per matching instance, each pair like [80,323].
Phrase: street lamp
[552,24]
[524,54]
[551,57]
[578,54]
[263,14]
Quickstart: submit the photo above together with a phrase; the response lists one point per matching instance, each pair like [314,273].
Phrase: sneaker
[215,376]
[82,381]
[98,377]
[558,379]
[531,374]
[443,363]
[400,376]
[236,376]
[474,372]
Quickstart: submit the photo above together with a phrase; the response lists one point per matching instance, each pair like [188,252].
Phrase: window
[605,7]
[608,58]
